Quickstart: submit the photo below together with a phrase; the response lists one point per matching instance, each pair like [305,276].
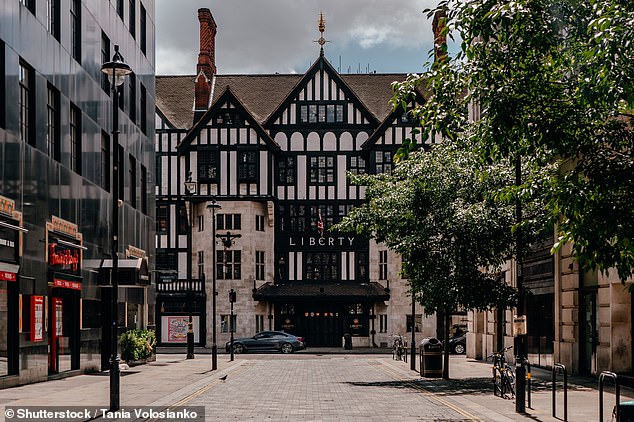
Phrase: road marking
[205,388]
[428,393]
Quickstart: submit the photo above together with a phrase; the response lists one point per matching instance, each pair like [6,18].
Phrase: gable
[397,127]
[227,122]
[321,96]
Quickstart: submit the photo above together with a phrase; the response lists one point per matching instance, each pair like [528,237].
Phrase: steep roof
[262,94]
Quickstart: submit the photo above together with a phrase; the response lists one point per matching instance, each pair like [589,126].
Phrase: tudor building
[274,152]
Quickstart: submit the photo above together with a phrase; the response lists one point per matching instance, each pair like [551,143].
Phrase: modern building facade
[56,117]
[274,152]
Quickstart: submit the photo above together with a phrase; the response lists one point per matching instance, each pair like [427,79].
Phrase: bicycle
[398,350]
[503,375]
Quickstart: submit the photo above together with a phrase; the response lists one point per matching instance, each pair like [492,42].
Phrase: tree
[441,216]
[554,81]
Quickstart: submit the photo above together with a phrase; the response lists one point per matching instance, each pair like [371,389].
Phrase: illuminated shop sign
[63,257]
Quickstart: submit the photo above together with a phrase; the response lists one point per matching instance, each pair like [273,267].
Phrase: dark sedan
[458,344]
[267,341]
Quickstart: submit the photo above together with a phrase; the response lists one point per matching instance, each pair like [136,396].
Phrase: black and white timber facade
[274,152]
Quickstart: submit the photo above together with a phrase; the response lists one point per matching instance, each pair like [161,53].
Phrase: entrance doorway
[63,330]
[591,333]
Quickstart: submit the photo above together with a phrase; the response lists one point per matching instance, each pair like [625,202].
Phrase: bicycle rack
[556,367]
[617,392]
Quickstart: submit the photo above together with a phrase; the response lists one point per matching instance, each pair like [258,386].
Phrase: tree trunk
[445,366]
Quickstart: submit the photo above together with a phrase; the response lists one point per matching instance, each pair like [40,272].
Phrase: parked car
[458,344]
[267,340]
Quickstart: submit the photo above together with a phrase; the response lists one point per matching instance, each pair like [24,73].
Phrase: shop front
[63,303]
[9,293]
[323,312]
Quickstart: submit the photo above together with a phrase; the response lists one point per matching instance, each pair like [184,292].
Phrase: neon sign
[63,258]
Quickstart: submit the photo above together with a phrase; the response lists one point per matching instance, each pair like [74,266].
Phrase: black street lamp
[117,70]
[413,349]
[190,189]
[213,206]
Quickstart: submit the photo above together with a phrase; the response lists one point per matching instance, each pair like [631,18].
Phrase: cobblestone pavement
[328,388]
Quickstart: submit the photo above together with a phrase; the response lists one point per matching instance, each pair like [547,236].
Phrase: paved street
[313,387]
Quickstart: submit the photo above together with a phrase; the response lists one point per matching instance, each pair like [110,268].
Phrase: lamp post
[213,206]
[190,189]
[117,70]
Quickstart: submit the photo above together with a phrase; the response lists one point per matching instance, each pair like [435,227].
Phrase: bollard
[617,392]
[556,367]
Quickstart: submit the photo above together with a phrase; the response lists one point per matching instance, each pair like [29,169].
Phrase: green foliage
[137,344]
[554,84]
[440,215]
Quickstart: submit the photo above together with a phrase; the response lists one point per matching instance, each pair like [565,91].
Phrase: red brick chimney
[206,67]
[440,39]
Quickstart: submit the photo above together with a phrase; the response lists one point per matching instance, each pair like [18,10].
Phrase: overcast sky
[268,36]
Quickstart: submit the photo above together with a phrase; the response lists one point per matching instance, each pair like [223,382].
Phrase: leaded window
[322,170]
[383,160]
[287,171]
[207,166]
[321,266]
[356,165]
[247,166]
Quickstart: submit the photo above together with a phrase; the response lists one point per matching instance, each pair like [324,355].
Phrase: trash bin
[626,411]
[347,341]
[430,358]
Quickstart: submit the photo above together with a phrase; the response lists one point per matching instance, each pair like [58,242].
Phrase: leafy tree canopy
[442,218]
[554,84]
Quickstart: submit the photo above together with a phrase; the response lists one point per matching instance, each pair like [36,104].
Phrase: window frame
[75,28]
[383,264]
[248,165]
[26,104]
[322,174]
[53,122]
[208,164]
[75,138]
[231,260]
[260,265]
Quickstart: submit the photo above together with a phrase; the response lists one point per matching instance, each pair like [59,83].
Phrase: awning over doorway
[132,271]
[332,291]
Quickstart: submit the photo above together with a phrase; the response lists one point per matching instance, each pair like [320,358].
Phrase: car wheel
[238,348]
[459,348]
[287,348]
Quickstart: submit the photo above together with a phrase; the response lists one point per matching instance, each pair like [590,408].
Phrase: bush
[137,344]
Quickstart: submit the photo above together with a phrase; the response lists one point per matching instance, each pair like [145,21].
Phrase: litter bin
[430,358]
[626,411]
[347,341]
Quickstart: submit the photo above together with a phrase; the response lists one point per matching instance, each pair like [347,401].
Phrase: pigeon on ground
[222,378]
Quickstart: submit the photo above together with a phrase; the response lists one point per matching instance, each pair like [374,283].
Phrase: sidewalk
[470,386]
[172,378]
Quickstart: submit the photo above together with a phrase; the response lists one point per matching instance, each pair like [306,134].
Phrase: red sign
[63,258]
[7,276]
[37,318]
[74,285]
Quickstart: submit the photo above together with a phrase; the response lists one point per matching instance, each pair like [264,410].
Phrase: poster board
[175,329]
[37,318]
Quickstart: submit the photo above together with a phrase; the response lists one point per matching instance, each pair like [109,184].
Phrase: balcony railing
[180,286]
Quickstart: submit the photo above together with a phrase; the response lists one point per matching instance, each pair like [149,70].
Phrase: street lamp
[117,70]
[190,189]
[213,206]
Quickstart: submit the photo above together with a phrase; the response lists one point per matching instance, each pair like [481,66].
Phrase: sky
[269,36]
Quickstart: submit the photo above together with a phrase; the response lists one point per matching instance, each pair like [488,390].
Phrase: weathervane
[322,27]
